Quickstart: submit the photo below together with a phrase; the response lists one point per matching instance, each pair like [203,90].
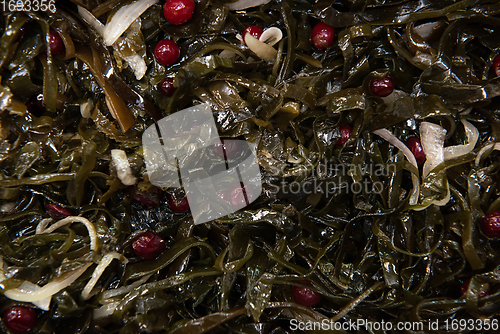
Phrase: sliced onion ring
[271,36]
[432,138]
[387,135]
[459,150]
[74,219]
[91,20]
[122,165]
[98,271]
[26,286]
[123,18]
[48,289]
[261,49]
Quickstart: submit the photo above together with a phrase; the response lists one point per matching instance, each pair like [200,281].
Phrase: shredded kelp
[378,236]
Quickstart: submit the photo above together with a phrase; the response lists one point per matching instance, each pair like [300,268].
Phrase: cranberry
[19,319]
[166,52]
[305,296]
[227,148]
[35,105]
[255,31]
[178,11]
[148,245]
[239,197]
[56,211]
[483,292]
[415,147]
[345,134]
[382,87]
[322,35]
[167,87]
[491,224]
[56,43]
[496,65]
[180,207]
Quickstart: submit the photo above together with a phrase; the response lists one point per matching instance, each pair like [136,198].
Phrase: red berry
[180,207]
[55,42]
[227,148]
[148,245]
[322,35]
[19,319]
[382,87]
[345,134]
[166,52]
[491,224]
[239,197]
[415,147]
[496,65]
[35,105]
[178,11]
[305,296]
[483,292]
[167,87]
[255,31]
[56,211]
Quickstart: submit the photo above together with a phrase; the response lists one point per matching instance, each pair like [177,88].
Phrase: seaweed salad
[376,127]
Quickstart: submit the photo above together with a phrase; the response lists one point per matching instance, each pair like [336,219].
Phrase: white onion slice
[426,29]
[122,166]
[137,64]
[29,287]
[105,310]
[123,18]
[271,36]
[103,264]
[459,150]
[42,225]
[91,20]
[387,135]
[261,49]
[244,4]
[75,219]
[432,138]
[48,289]
[43,304]
[86,108]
